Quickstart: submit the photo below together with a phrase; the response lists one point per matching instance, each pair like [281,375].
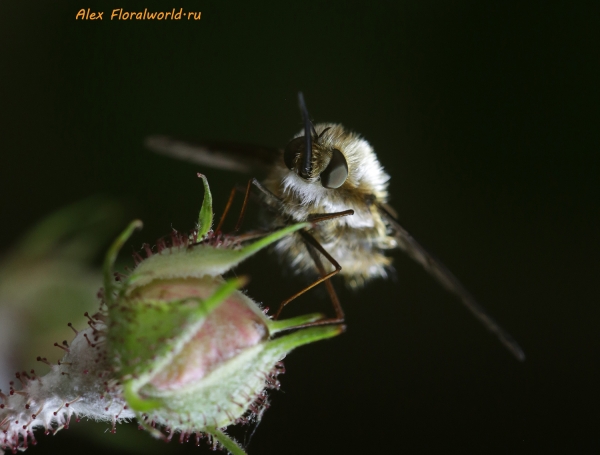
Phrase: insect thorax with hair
[358,242]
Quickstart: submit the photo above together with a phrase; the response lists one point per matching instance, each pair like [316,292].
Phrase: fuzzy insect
[326,172]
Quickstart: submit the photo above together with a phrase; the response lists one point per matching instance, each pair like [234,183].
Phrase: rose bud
[175,345]
[192,352]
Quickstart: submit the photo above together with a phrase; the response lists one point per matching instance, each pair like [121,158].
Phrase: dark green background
[486,116]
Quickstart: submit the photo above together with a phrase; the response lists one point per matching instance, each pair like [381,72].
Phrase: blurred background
[484,114]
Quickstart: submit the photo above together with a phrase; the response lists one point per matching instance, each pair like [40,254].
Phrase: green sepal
[231,445]
[111,257]
[200,260]
[205,218]
[135,402]
[292,323]
[304,336]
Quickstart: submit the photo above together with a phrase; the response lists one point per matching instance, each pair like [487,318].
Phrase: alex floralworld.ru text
[119,14]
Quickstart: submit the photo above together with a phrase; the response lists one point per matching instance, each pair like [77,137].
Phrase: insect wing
[229,156]
[447,279]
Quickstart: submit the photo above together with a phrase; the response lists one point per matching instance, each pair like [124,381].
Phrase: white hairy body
[358,242]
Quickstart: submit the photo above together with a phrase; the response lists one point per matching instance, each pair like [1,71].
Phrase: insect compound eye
[336,172]
[294,148]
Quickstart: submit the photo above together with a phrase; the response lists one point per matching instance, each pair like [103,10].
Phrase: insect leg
[226,211]
[316,217]
[228,206]
[339,313]
[247,193]
[274,200]
[244,205]
[312,244]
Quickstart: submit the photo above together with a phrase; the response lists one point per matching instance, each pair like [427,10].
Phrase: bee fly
[326,173]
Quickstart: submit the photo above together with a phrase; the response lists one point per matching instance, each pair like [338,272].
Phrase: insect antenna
[307,168]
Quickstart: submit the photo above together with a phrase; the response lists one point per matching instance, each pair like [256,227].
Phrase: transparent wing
[447,279]
[229,156]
